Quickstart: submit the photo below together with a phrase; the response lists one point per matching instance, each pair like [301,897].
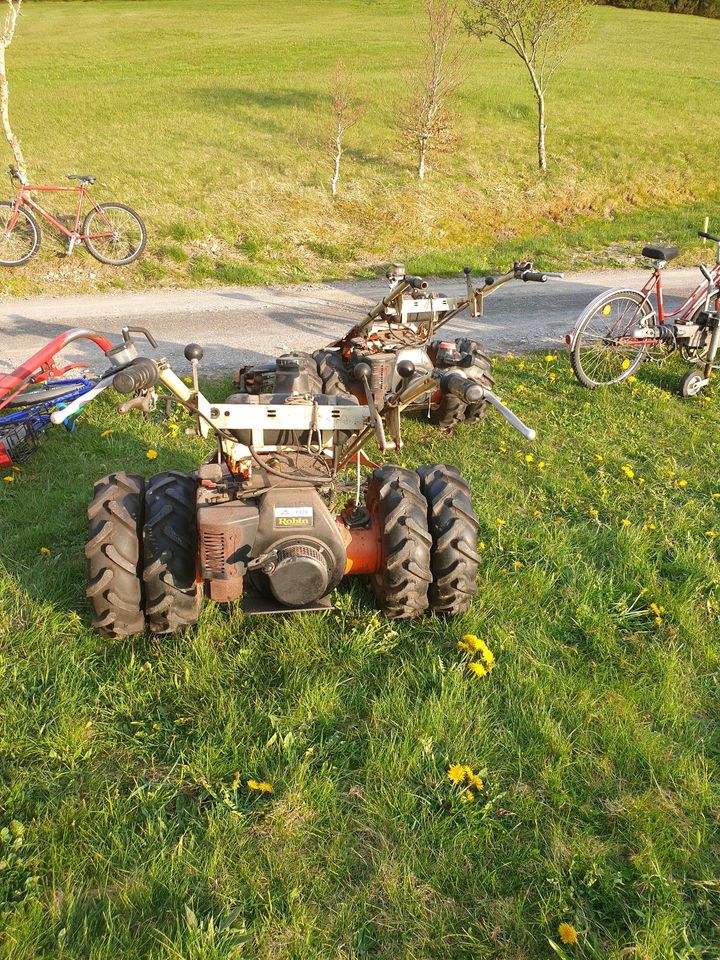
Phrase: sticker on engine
[293,516]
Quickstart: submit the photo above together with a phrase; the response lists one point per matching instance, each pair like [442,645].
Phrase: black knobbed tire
[114,554]
[453,525]
[333,374]
[452,410]
[23,241]
[396,502]
[172,595]
[127,241]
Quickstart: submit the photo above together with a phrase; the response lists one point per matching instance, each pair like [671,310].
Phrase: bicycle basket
[17,442]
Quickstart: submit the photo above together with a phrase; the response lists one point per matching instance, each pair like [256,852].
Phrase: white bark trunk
[542,156]
[336,172]
[5,93]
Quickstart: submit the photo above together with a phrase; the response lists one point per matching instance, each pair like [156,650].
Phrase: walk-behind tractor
[400,328]
[277,515]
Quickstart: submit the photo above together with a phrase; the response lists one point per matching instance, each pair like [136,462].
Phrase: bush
[700,8]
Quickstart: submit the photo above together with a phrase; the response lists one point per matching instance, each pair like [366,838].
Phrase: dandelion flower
[710,533]
[624,522]
[188,381]
[500,522]
[517,564]
[481,545]
[478,669]
[456,773]
[568,933]
[626,364]
[9,479]
[45,552]
[151,454]
[541,465]
[260,786]
[632,378]
[552,377]
[682,483]
[468,796]
[106,433]
[599,457]
[549,357]
[529,458]
[628,471]
[594,513]
[475,781]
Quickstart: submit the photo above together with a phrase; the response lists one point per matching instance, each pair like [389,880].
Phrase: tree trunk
[336,173]
[542,156]
[5,116]
[421,160]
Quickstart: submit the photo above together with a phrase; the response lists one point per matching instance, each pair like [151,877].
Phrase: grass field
[211,119]
[126,826]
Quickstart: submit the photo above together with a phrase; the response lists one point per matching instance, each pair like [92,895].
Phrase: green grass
[126,828]
[211,120]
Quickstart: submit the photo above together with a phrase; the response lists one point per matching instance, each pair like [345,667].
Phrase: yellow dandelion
[715,496]
[649,526]
[456,773]
[537,513]
[260,786]
[106,433]
[16,468]
[151,454]
[517,564]
[682,483]
[468,796]
[188,381]
[481,545]
[632,378]
[626,364]
[478,669]
[657,609]
[549,357]
[541,465]
[552,377]
[599,457]
[529,458]
[628,471]
[475,781]
[568,933]
[710,533]
[594,513]
[624,522]
[45,552]
[510,356]
[500,522]
[9,479]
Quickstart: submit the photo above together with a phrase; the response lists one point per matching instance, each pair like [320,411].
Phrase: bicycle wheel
[19,243]
[114,234]
[602,352]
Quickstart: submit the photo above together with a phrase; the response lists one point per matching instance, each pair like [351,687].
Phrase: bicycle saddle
[85,177]
[660,253]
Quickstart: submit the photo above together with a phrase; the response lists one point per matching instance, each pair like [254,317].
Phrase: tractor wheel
[114,555]
[394,498]
[452,410]
[332,371]
[172,594]
[453,526]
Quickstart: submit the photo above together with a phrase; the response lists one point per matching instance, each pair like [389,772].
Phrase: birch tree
[346,111]
[430,121]
[12,9]
[540,32]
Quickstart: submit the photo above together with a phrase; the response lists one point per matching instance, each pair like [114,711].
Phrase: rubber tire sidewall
[89,244]
[38,236]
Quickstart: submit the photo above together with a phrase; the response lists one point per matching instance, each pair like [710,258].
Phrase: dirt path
[237,325]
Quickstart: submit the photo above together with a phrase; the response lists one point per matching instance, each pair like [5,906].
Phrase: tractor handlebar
[141,374]
[455,385]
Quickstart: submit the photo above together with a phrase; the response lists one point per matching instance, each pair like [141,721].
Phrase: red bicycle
[617,331]
[111,232]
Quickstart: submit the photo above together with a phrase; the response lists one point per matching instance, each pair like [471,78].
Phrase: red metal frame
[23,197]
[42,365]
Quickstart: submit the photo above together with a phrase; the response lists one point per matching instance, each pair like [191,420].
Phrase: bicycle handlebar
[708,236]
[705,272]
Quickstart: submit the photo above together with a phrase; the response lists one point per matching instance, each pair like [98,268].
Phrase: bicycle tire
[629,356]
[91,244]
[34,237]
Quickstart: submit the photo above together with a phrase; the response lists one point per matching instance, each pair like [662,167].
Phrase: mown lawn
[126,825]
[212,119]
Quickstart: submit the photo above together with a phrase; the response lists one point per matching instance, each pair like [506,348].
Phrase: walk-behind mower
[276,515]
[400,328]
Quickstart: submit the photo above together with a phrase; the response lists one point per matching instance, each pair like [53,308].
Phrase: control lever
[145,403]
[126,331]
[471,392]
[361,372]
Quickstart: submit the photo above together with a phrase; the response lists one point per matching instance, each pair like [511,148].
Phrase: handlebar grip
[417,283]
[138,375]
[534,276]
[454,385]
[708,236]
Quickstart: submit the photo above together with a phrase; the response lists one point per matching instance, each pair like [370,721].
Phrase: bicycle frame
[689,305]
[24,197]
